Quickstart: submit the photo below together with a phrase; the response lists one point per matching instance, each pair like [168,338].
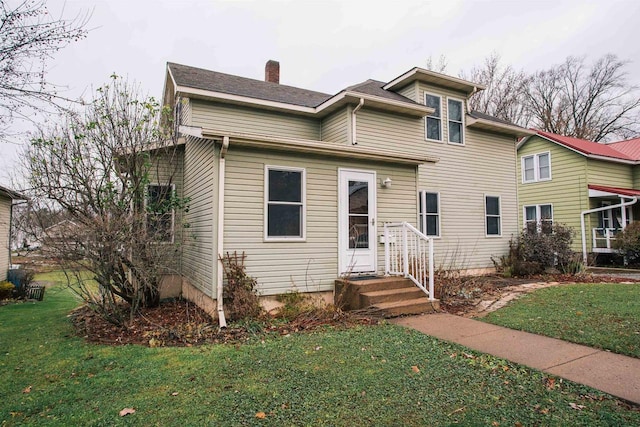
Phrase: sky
[326,45]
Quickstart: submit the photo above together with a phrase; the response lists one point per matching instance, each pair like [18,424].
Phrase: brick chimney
[272,71]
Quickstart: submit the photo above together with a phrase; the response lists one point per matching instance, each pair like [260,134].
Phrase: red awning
[616,190]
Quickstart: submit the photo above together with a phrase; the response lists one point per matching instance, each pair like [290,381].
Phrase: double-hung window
[538,219]
[492,215]
[284,203]
[536,167]
[455,117]
[160,212]
[433,130]
[429,211]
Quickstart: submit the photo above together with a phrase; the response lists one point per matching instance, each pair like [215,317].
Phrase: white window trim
[441,118]
[422,193]
[536,167]
[462,127]
[538,215]
[173,211]
[484,200]
[265,208]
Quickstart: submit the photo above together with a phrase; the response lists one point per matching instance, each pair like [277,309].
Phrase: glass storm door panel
[357,224]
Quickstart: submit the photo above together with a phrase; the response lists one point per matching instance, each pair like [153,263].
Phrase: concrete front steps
[391,296]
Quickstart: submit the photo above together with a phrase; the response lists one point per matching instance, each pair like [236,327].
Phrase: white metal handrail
[409,253]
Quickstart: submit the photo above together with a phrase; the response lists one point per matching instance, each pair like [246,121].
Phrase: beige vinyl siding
[380,130]
[311,265]
[5,224]
[410,91]
[241,119]
[335,127]
[567,190]
[485,165]
[201,186]
[610,173]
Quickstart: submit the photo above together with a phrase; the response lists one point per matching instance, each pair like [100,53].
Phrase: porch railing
[603,238]
[409,253]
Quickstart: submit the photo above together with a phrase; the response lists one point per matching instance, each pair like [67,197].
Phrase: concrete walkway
[612,373]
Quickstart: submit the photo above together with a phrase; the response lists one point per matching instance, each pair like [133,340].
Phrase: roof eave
[321,110]
[312,147]
[13,195]
[492,126]
[435,78]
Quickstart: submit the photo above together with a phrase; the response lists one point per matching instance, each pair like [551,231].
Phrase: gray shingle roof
[479,115]
[199,78]
[374,87]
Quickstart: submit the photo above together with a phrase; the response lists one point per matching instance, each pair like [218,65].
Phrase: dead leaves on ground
[126,411]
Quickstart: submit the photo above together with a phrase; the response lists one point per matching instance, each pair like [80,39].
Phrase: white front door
[356,221]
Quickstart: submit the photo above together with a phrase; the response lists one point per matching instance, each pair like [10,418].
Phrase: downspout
[622,205]
[220,231]
[353,121]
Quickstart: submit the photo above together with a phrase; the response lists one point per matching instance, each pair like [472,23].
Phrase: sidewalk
[612,373]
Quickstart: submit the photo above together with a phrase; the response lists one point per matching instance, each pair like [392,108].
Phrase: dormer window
[433,124]
[455,116]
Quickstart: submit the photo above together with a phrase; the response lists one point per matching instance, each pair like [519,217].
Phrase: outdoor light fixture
[387,183]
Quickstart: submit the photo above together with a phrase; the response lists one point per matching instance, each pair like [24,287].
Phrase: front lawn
[383,375]
[605,316]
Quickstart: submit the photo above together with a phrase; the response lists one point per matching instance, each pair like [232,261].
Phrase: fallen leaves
[415,369]
[576,406]
[27,390]
[261,415]
[126,411]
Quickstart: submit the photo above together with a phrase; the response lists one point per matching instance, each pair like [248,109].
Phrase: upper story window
[433,122]
[455,117]
[285,200]
[160,212]
[538,219]
[492,215]
[429,211]
[536,167]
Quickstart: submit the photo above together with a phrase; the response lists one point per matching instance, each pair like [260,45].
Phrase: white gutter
[622,205]
[353,122]
[220,231]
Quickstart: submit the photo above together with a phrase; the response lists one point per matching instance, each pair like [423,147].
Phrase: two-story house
[588,186]
[305,183]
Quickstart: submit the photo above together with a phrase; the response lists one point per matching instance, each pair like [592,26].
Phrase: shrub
[532,252]
[240,296]
[6,290]
[628,242]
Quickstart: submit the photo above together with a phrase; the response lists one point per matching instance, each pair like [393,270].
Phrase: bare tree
[504,96]
[596,103]
[29,36]
[438,67]
[111,169]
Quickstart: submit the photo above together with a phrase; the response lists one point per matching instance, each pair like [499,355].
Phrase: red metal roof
[630,147]
[587,147]
[615,190]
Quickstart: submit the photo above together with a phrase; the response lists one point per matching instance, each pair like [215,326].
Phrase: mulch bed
[181,323]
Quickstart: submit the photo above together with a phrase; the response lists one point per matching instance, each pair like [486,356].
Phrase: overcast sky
[328,45]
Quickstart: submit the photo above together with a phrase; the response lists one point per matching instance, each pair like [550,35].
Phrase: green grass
[361,376]
[604,316]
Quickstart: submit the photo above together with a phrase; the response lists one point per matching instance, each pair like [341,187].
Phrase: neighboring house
[589,186]
[303,182]
[7,197]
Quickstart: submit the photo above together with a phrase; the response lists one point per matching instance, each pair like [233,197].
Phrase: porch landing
[391,296]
